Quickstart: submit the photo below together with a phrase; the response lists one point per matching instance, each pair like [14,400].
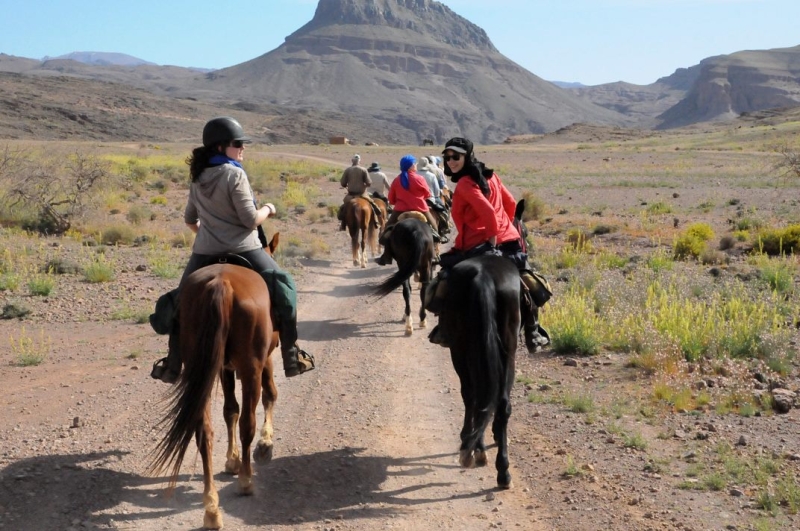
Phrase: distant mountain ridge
[398,71]
[102,59]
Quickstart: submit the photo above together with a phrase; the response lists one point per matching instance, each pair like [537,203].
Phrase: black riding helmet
[223,130]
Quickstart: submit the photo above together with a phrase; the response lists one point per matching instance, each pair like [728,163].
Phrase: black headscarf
[473,168]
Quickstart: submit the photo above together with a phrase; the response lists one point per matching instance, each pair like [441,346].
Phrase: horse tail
[192,393]
[484,359]
[407,267]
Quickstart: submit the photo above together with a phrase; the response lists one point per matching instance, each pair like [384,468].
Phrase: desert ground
[369,439]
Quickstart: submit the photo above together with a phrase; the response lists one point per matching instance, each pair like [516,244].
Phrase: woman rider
[408,192]
[483,212]
[222,212]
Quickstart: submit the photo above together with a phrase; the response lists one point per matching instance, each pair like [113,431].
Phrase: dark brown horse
[482,319]
[411,242]
[226,331]
[358,218]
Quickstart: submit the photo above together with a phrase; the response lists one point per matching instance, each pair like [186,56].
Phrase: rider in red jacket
[483,213]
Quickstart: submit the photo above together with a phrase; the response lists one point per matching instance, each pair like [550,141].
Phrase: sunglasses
[237,144]
[455,156]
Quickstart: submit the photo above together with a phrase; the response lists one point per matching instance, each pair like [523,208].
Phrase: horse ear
[520,209]
[273,243]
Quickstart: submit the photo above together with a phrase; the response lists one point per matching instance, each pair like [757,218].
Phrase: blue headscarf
[405,164]
[219,159]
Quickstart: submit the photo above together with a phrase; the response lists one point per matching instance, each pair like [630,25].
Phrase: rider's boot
[164,320]
[168,369]
[386,257]
[295,360]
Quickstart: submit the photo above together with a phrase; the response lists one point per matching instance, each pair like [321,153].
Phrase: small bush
[138,214]
[701,231]
[158,200]
[9,282]
[727,242]
[687,246]
[41,285]
[659,207]
[775,242]
[534,207]
[118,235]
[99,270]
[28,351]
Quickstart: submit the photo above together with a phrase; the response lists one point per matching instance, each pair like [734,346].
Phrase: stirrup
[304,362]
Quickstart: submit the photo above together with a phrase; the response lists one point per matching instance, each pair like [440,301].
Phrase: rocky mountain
[413,63]
[720,88]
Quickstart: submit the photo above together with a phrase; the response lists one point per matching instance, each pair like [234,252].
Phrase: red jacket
[477,217]
[413,198]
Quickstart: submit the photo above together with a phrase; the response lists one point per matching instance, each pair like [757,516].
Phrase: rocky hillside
[718,89]
[415,63]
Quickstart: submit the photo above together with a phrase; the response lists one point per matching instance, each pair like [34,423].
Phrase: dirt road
[367,441]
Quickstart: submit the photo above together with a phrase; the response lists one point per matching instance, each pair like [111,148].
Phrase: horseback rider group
[223,213]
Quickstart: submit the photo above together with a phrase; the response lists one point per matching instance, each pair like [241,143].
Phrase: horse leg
[269,394]
[466,455]
[407,314]
[364,247]
[423,322]
[212,519]
[499,431]
[503,412]
[230,411]
[251,389]
[354,246]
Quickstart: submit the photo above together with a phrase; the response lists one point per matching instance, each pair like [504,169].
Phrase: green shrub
[534,206]
[9,282]
[122,234]
[701,231]
[41,285]
[158,200]
[775,242]
[137,214]
[659,207]
[687,246]
[99,270]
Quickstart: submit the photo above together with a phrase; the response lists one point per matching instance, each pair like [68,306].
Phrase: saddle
[162,320]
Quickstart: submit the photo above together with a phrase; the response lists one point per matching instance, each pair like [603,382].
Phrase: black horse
[481,316]
[411,244]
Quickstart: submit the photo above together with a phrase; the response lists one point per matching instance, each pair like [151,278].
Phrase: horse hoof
[505,484]
[466,459]
[480,458]
[212,520]
[263,453]
[423,324]
[246,487]
[232,466]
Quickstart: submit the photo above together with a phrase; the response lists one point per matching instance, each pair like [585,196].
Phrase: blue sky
[589,41]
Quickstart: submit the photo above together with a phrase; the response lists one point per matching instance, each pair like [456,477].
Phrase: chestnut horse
[481,317]
[412,245]
[358,218]
[226,331]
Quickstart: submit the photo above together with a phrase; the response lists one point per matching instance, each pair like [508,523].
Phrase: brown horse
[358,218]
[226,331]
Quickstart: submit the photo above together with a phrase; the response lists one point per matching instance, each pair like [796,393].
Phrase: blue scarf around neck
[219,159]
